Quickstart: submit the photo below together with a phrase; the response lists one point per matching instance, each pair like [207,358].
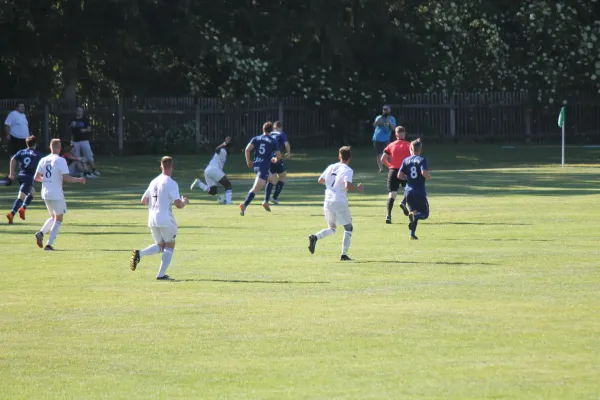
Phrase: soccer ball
[221,200]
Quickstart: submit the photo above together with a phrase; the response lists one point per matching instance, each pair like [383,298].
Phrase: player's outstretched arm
[247,152]
[180,203]
[357,188]
[225,143]
[13,168]
[68,178]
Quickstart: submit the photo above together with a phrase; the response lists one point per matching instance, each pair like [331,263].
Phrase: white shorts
[83,149]
[213,175]
[56,207]
[163,235]
[337,213]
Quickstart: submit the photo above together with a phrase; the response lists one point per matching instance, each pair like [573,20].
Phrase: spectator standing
[384,126]
[80,138]
[16,128]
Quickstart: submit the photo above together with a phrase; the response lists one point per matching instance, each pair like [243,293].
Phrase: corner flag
[561,123]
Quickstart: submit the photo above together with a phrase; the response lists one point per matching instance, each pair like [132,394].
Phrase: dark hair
[416,145]
[166,162]
[30,141]
[18,103]
[400,129]
[345,153]
[268,127]
[278,124]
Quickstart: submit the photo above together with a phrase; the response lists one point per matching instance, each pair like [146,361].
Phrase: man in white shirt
[214,174]
[16,128]
[337,179]
[52,170]
[162,193]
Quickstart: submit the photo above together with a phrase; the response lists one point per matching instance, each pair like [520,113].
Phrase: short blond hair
[166,162]
[55,144]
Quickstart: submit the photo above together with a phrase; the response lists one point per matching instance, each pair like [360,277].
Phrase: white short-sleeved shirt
[218,160]
[336,176]
[161,194]
[52,167]
[19,127]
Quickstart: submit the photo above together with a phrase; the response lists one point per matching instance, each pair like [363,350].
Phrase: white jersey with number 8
[52,167]
[336,176]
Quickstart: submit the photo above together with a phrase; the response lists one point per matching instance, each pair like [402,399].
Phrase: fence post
[280,111]
[120,124]
[46,126]
[528,113]
[452,116]
[198,138]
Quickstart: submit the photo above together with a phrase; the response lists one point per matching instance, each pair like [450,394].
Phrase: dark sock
[403,202]
[28,201]
[412,233]
[16,205]
[268,191]
[249,198]
[278,189]
[390,205]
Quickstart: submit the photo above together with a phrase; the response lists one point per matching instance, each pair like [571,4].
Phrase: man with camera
[384,126]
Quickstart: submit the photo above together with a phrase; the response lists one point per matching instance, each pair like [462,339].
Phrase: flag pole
[563,140]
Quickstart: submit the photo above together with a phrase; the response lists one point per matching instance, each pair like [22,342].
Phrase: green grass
[499,299]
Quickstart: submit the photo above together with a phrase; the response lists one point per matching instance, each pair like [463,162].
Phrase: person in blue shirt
[415,171]
[264,146]
[278,168]
[27,160]
[384,125]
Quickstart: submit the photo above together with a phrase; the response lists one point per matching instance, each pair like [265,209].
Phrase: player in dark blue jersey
[28,160]
[415,171]
[264,146]
[278,168]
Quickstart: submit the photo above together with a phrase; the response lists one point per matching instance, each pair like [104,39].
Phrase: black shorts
[380,146]
[393,182]
[16,144]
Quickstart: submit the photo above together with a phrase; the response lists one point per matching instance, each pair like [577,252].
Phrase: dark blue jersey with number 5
[264,147]
[28,160]
[413,168]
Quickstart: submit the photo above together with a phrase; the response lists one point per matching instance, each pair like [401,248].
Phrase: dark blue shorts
[418,202]
[278,167]
[26,182]
[262,173]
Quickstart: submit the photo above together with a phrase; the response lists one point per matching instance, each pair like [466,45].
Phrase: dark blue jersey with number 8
[413,168]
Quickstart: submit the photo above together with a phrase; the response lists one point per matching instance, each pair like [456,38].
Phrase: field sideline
[499,298]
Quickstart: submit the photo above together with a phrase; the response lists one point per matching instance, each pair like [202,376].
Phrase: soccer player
[278,168]
[415,171]
[264,146]
[214,174]
[337,179]
[392,157]
[162,193]
[52,171]
[28,160]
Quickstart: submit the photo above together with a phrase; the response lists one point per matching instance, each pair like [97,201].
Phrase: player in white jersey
[214,174]
[160,196]
[337,179]
[52,170]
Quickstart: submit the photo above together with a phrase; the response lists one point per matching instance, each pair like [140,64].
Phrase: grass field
[500,297]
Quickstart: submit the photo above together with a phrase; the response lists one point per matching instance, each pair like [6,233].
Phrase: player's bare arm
[224,144]
[322,181]
[277,157]
[247,152]
[385,159]
[13,168]
[38,177]
[402,176]
[180,203]
[145,201]
[357,188]
[426,174]
[68,178]
[288,150]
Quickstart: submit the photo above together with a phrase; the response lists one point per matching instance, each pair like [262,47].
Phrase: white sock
[346,242]
[325,233]
[53,233]
[166,260]
[203,186]
[47,225]
[228,194]
[148,251]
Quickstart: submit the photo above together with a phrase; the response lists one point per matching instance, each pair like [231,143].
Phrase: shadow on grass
[477,223]
[419,262]
[253,281]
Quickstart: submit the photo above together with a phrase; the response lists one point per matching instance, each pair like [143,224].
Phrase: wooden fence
[136,125]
